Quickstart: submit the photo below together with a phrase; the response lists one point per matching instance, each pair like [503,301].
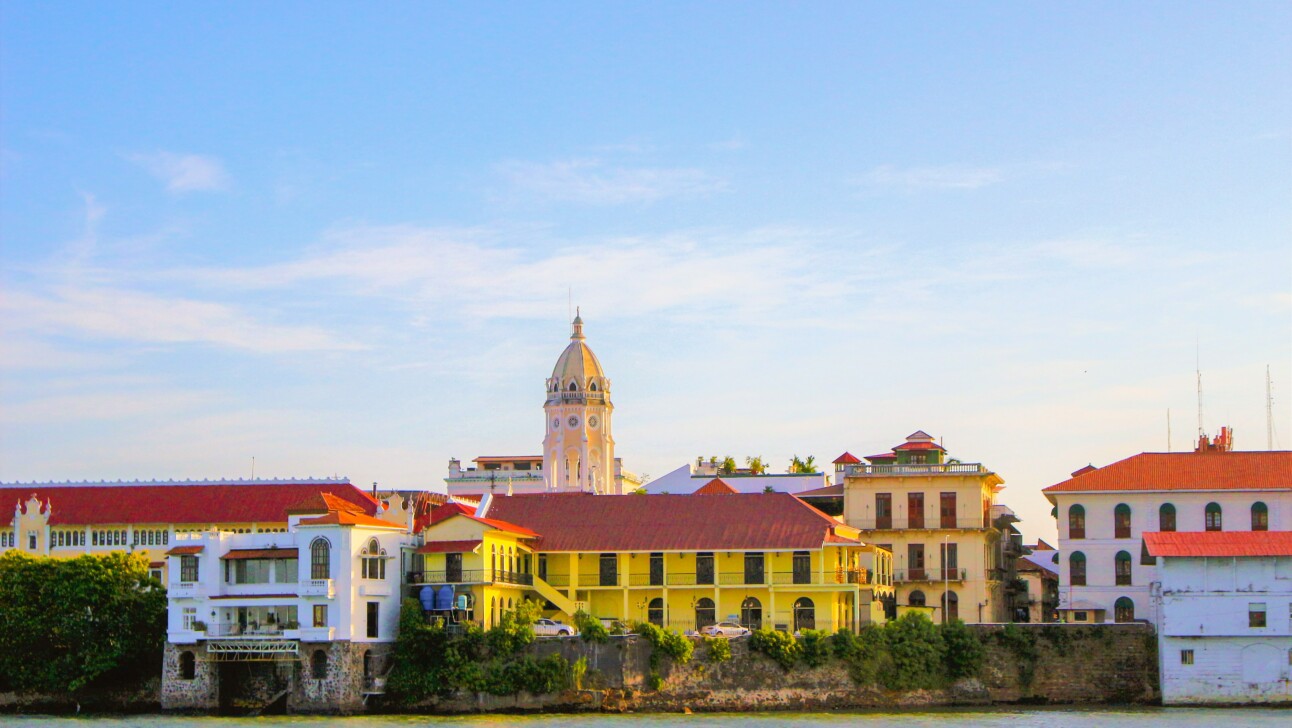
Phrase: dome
[577,361]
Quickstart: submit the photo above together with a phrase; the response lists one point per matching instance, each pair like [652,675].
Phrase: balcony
[863,471]
[185,590]
[893,524]
[318,634]
[930,575]
[646,579]
[470,576]
[318,588]
[740,578]
[251,631]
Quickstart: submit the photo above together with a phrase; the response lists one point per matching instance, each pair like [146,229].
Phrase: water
[1049,718]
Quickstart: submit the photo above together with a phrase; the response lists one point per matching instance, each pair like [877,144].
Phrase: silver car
[724,629]
[552,628]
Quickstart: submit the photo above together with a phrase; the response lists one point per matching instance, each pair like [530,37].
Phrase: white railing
[318,588]
[860,471]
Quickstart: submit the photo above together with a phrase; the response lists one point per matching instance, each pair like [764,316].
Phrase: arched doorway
[951,606]
[705,613]
[751,613]
[1124,610]
[916,599]
[655,612]
[804,614]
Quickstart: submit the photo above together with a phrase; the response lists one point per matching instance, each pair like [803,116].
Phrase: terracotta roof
[441,547]
[1187,471]
[740,521]
[919,445]
[1219,543]
[715,487]
[505,526]
[829,491]
[322,503]
[75,505]
[882,456]
[185,550]
[240,554]
[347,518]
[847,458]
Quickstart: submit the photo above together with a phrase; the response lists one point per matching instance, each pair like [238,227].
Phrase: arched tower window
[592,387]
[1123,563]
[1166,517]
[320,559]
[1213,514]
[574,387]
[1077,569]
[1076,522]
[1122,521]
[1260,517]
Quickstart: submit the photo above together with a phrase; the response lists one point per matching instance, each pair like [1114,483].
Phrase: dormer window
[592,387]
[574,387]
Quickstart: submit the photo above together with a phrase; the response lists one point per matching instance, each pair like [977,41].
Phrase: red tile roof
[829,491]
[919,446]
[442,547]
[1186,471]
[80,505]
[347,518]
[847,458]
[322,503]
[1219,543]
[241,554]
[502,525]
[185,550]
[882,456]
[740,521]
[717,486]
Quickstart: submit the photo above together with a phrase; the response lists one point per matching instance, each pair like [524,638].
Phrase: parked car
[552,628]
[724,629]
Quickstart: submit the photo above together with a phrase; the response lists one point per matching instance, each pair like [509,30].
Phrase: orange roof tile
[441,547]
[346,518]
[1219,543]
[185,550]
[1186,471]
[847,458]
[717,486]
[240,554]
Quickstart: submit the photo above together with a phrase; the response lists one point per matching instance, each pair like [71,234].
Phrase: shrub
[577,671]
[815,647]
[963,651]
[779,646]
[666,641]
[845,645]
[1022,643]
[590,628]
[916,649]
[719,649]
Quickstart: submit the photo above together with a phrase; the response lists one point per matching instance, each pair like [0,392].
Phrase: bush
[515,629]
[964,652]
[577,671]
[779,646]
[845,645]
[590,628]
[1022,643]
[719,649]
[814,646]
[916,649]
[666,641]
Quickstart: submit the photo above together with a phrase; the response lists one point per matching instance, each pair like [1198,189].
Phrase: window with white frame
[6,539]
[374,561]
[31,540]
[189,617]
[1256,614]
[188,568]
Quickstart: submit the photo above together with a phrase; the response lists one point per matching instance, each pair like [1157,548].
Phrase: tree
[798,465]
[728,466]
[756,465]
[66,624]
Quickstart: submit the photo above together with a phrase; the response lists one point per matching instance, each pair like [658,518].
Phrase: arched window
[1213,517]
[187,665]
[1076,522]
[951,605]
[1077,569]
[1166,517]
[1123,561]
[916,599]
[751,613]
[592,387]
[804,614]
[374,561]
[318,665]
[320,559]
[574,387]
[1122,521]
[655,612]
[705,613]
[1260,517]
[1124,610]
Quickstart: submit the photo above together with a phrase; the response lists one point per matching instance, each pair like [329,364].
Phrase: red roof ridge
[1218,543]
[1149,471]
[717,486]
[847,458]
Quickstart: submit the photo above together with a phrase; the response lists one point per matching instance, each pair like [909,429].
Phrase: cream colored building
[935,516]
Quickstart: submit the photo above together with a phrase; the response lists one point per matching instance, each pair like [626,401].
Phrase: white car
[552,628]
[725,629]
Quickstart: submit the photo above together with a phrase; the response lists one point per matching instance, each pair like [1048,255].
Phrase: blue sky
[342,239]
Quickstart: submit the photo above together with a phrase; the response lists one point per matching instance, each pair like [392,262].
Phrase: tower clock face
[572,422]
[593,421]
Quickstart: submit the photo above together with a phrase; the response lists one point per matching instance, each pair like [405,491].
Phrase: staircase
[549,592]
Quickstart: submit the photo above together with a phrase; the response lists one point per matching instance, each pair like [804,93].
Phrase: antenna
[1197,358]
[1269,410]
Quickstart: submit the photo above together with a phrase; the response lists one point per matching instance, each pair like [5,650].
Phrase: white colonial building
[1104,513]
[315,606]
[1225,634]
[578,444]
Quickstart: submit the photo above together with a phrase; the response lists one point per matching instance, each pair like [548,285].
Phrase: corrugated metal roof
[1186,471]
[1219,543]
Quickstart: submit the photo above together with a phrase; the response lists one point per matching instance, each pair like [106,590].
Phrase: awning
[443,547]
[156,564]
[185,550]
[238,554]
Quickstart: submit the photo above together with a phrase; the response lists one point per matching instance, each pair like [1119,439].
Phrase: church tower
[578,451]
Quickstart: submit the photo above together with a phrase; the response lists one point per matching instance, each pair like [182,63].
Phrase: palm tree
[728,466]
[756,465]
[798,465]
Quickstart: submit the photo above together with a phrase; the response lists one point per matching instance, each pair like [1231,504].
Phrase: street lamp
[946,580]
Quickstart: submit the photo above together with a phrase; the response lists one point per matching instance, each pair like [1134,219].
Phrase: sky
[344,238]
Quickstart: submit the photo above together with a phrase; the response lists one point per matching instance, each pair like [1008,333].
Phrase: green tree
[67,624]
[798,465]
[756,464]
[728,466]
[915,646]
[964,651]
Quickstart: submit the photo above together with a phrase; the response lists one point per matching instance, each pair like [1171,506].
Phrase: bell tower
[578,449]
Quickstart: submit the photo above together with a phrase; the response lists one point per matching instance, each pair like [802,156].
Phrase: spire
[577,332]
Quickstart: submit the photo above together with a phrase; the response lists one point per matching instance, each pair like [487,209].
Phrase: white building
[689,478]
[1226,616]
[324,595]
[1103,514]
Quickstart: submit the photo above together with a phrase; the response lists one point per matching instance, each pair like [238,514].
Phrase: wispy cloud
[946,177]
[593,182]
[184,172]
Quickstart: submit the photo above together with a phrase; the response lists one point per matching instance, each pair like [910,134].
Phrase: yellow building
[935,516]
[680,561]
[71,519]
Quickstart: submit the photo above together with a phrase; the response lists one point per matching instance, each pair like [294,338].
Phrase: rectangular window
[31,540]
[542,566]
[189,617]
[704,567]
[802,567]
[1186,657]
[915,561]
[286,571]
[320,615]
[1256,614]
[373,619]
[950,559]
[609,570]
[883,510]
[656,569]
[947,510]
[188,568]
[453,567]
[155,574]
[1079,616]
[754,568]
[374,567]
[915,510]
